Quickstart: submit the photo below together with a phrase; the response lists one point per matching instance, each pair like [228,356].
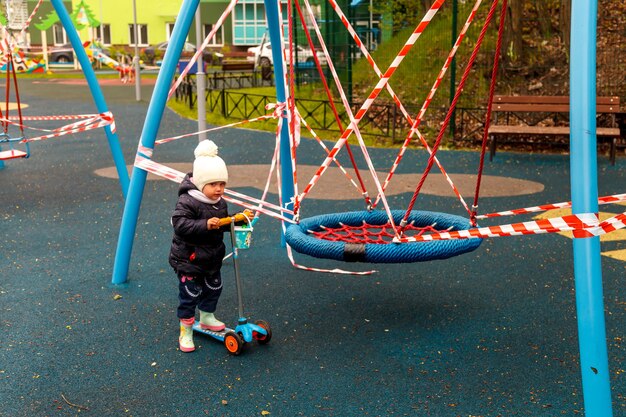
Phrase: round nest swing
[364,236]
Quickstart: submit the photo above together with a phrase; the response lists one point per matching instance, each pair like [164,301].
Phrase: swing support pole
[584,185]
[148,138]
[96,92]
[286,169]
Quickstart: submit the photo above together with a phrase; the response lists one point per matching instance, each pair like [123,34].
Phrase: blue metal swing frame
[587,266]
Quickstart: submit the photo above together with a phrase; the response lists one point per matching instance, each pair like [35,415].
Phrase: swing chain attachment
[473,215]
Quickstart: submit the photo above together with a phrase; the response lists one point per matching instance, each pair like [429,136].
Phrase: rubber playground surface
[488,333]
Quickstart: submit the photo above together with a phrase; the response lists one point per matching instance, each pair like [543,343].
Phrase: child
[197,246]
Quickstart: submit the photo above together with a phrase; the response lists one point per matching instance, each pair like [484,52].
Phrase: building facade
[112,21]
[155,20]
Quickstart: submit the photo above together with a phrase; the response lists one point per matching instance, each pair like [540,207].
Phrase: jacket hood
[186,185]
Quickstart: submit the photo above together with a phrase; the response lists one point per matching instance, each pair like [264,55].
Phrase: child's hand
[213,223]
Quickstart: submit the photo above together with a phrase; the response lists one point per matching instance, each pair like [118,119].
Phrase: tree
[403,13]
[512,42]
[565,12]
[3,18]
[81,16]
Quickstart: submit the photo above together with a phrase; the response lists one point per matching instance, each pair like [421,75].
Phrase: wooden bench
[236,61]
[238,66]
[547,116]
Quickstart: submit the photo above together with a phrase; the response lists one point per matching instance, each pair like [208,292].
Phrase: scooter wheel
[233,343]
[263,338]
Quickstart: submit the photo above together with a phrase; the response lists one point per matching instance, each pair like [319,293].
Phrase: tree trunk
[565,13]
[544,17]
[512,45]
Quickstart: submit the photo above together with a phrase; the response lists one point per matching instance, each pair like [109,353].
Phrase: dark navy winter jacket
[196,250]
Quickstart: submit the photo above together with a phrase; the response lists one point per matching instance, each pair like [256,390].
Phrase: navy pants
[201,291]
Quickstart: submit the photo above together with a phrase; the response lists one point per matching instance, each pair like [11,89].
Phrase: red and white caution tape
[55,117]
[581,225]
[567,204]
[328,271]
[398,102]
[234,124]
[200,50]
[323,145]
[159,169]
[30,18]
[415,124]
[94,122]
[10,39]
[353,127]
[177,176]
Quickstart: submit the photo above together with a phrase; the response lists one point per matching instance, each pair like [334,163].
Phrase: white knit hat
[208,167]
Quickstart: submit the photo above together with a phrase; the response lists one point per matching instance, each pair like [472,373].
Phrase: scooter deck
[217,335]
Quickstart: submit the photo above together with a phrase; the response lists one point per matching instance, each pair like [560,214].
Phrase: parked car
[62,53]
[65,53]
[155,52]
[262,55]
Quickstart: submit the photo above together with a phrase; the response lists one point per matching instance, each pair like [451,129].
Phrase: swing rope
[492,89]
[448,117]
[422,112]
[17,94]
[331,101]
[330,154]
[355,119]
[5,137]
[401,107]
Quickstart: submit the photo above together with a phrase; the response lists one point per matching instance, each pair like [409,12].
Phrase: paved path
[489,333]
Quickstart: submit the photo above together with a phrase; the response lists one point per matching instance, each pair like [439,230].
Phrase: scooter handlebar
[247,215]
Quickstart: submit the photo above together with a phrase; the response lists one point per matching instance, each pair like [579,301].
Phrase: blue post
[148,137]
[96,92]
[273,24]
[583,170]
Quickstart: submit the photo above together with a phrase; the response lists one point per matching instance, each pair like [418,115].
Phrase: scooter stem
[236,265]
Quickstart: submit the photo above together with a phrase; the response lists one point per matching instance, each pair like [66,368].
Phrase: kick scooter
[245,332]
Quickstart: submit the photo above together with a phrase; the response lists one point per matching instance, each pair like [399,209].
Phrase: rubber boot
[209,322]
[185,340]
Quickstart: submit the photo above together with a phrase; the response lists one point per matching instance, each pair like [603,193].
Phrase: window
[249,22]
[103,33]
[218,39]
[142,31]
[59,37]
[169,29]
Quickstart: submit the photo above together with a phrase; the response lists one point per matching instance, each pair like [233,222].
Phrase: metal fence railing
[383,121]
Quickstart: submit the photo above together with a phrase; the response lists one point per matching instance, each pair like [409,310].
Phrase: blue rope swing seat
[362,237]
